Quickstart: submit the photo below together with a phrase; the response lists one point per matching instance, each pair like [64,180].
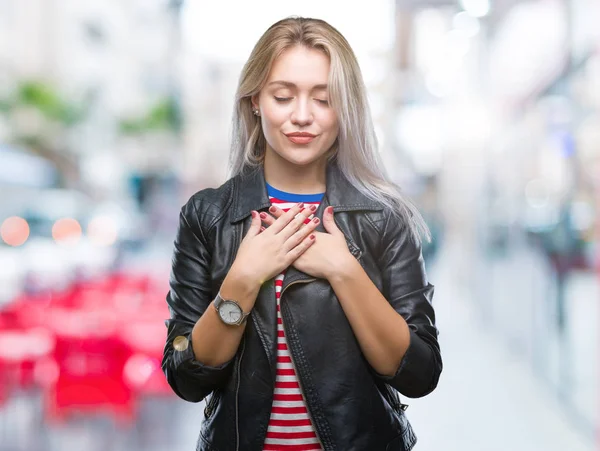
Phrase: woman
[298,297]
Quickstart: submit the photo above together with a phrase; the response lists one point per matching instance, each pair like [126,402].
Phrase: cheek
[329,122]
[273,120]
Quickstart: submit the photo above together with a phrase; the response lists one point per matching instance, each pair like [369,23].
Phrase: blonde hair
[355,149]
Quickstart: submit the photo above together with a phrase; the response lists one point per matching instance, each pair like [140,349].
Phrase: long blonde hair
[355,148]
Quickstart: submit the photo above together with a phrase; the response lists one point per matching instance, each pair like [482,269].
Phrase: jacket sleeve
[406,287]
[188,298]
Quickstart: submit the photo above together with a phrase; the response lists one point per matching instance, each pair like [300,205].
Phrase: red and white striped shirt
[290,427]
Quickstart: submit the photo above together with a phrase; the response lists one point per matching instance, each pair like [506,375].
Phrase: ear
[254,101]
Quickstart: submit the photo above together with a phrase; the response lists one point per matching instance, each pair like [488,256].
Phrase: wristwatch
[229,311]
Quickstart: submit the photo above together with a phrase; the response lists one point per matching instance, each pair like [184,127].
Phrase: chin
[302,161]
[301,157]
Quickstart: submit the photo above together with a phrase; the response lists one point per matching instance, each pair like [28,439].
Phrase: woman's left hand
[328,255]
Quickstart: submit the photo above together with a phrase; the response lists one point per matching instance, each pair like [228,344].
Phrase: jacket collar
[250,193]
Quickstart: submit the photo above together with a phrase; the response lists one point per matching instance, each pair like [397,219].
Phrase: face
[298,123]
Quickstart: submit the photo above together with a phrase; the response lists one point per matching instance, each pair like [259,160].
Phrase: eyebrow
[289,84]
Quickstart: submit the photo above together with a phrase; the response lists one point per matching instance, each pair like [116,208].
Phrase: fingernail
[301,205]
[316,220]
[313,208]
[253,214]
[330,209]
[273,209]
[312,237]
[263,216]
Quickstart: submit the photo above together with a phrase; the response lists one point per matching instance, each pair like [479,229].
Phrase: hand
[327,255]
[263,255]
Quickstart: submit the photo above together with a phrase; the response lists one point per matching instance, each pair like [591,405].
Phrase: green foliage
[163,116]
[45,99]
[30,141]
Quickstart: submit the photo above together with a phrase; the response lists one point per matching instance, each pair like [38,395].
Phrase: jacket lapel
[250,193]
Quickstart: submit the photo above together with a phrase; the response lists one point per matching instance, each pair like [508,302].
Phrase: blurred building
[208,86]
[115,62]
[499,102]
[487,114]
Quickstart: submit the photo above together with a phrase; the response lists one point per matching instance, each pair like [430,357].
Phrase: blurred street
[113,113]
[487,398]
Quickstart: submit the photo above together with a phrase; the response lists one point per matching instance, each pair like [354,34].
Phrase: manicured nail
[330,209]
[312,237]
[316,220]
[313,208]
[253,214]
[273,209]
[301,205]
[263,215]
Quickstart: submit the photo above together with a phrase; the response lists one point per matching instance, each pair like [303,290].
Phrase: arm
[397,335]
[199,351]
[198,355]
[382,334]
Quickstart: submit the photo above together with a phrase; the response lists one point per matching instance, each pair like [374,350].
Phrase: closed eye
[287,99]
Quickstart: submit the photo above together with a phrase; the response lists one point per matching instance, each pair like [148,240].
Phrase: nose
[302,114]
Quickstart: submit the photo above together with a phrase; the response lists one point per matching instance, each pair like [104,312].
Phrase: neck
[292,178]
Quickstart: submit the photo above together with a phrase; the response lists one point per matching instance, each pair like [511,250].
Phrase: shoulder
[209,205]
[394,225]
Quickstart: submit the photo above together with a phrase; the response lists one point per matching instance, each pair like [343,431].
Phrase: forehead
[300,66]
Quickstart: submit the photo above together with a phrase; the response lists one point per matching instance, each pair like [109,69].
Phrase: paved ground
[488,398]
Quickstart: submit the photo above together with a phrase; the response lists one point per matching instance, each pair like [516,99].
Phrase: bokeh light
[112,114]
[66,230]
[102,231]
[14,231]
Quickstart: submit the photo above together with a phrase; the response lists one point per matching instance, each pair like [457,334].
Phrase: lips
[300,137]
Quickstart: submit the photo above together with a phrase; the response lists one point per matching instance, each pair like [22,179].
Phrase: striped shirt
[290,427]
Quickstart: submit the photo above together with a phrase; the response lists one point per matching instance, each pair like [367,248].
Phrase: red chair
[90,361]
[4,384]
[145,376]
[20,351]
[145,336]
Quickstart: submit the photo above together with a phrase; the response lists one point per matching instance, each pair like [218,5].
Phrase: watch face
[230,312]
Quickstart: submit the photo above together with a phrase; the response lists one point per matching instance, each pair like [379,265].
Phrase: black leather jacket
[351,406]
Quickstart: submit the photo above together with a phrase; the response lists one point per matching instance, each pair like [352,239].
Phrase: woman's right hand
[263,254]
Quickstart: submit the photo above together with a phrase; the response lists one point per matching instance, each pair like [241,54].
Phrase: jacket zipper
[239,371]
[294,363]
[212,404]
[395,400]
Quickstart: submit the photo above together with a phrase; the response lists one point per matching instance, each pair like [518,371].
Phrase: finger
[267,219]
[301,234]
[286,218]
[262,229]
[278,212]
[301,248]
[329,222]
[275,212]
[255,225]
[300,219]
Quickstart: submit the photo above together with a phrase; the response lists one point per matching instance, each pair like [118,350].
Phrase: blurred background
[113,112]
